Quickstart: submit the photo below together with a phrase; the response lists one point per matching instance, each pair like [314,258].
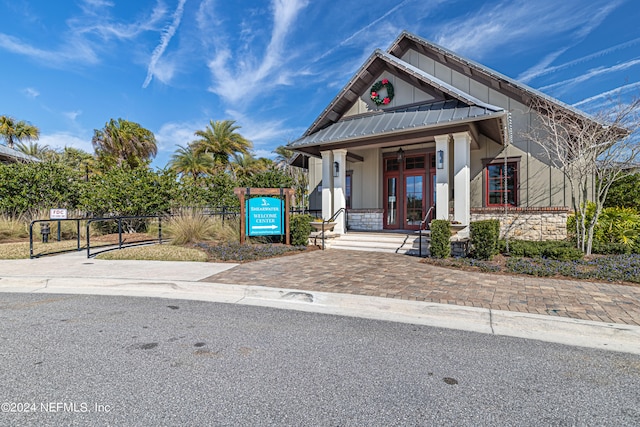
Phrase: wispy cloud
[31,92]
[240,80]
[566,84]
[360,31]
[75,52]
[609,94]
[78,45]
[263,132]
[542,68]
[167,35]
[509,23]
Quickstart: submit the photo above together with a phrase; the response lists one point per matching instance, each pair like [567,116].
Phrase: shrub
[191,226]
[300,228]
[484,238]
[440,239]
[13,227]
[550,249]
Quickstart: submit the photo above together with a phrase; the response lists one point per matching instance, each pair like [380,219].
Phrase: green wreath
[375,92]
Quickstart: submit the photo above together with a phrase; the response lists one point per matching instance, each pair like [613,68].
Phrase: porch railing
[423,224]
[333,218]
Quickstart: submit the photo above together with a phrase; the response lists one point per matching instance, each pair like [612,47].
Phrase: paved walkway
[405,277]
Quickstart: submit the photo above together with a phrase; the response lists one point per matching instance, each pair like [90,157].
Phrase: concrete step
[402,243]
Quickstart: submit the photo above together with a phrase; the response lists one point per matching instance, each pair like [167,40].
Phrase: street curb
[576,332]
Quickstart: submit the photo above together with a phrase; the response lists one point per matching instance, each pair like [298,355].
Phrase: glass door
[391,202]
[414,191]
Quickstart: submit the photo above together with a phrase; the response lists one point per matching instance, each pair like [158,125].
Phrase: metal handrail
[59,221]
[333,217]
[422,224]
[120,242]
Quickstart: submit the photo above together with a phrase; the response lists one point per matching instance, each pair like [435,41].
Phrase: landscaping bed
[623,269]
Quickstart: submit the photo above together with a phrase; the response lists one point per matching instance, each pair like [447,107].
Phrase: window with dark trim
[495,184]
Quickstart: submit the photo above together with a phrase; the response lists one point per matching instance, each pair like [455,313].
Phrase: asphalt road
[96,360]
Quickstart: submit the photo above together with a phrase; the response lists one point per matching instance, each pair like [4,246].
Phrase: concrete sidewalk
[371,285]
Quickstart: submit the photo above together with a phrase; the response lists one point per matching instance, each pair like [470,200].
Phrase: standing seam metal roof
[420,116]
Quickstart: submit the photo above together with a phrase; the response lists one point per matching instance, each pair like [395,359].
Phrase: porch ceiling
[403,124]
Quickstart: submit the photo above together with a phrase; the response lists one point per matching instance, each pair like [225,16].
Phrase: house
[9,155]
[421,132]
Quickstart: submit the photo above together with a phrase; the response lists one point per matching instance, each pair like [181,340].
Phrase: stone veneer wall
[528,223]
[364,219]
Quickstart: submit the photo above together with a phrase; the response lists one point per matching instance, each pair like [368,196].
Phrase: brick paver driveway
[405,277]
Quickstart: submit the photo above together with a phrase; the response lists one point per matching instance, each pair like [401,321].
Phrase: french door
[406,191]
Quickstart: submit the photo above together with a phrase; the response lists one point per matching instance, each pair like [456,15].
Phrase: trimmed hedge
[484,238]
[301,228]
[440,239]
[561,250]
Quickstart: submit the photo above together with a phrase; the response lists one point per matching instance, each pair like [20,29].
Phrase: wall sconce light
[440,159]
[336,169]
[400,154]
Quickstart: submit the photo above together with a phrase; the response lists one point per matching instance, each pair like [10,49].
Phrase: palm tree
[188,161]
[12,131]
[123,142]
[284,156]
[246,165]
[33,149]
[221,139]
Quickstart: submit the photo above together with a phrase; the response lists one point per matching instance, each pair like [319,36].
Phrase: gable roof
[378,62]
[331,127]
[476,71]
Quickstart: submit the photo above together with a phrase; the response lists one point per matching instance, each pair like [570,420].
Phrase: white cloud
[608,95]
[31,92]
[510,23]
[72,115]
[263,133]
[61,140]
[173,134]
[566,84]
[252,74]
[544,69]
[166,72]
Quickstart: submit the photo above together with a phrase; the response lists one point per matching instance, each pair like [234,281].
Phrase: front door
[414,200]
[406,191]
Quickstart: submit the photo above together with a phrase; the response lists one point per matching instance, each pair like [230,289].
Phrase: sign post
[264,211]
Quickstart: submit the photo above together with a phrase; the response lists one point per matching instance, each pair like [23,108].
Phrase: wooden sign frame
[244,192]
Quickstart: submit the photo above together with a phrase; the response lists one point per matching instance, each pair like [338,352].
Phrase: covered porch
[410,167]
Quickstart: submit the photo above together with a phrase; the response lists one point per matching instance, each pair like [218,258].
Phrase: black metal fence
[118,223]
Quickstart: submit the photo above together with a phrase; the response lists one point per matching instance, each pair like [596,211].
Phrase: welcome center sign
[264,212]
[264,216]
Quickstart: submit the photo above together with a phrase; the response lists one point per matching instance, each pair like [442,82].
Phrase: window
[414,163]
[495,181]
[391,165]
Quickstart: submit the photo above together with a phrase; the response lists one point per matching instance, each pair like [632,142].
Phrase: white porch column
[442,177]
[462,177]
[339,188]
[327,184]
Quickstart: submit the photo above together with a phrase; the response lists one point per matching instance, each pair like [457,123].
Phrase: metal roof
[416,117]
[446,56]
[10,153]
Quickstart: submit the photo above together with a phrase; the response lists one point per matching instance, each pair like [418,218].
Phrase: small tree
[593,153]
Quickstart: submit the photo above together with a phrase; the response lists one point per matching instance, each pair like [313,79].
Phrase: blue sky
[272,66]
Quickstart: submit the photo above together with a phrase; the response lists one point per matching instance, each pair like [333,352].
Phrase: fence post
[88,242]
[78,232]
[31,240]
[119,233]
[159,229]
